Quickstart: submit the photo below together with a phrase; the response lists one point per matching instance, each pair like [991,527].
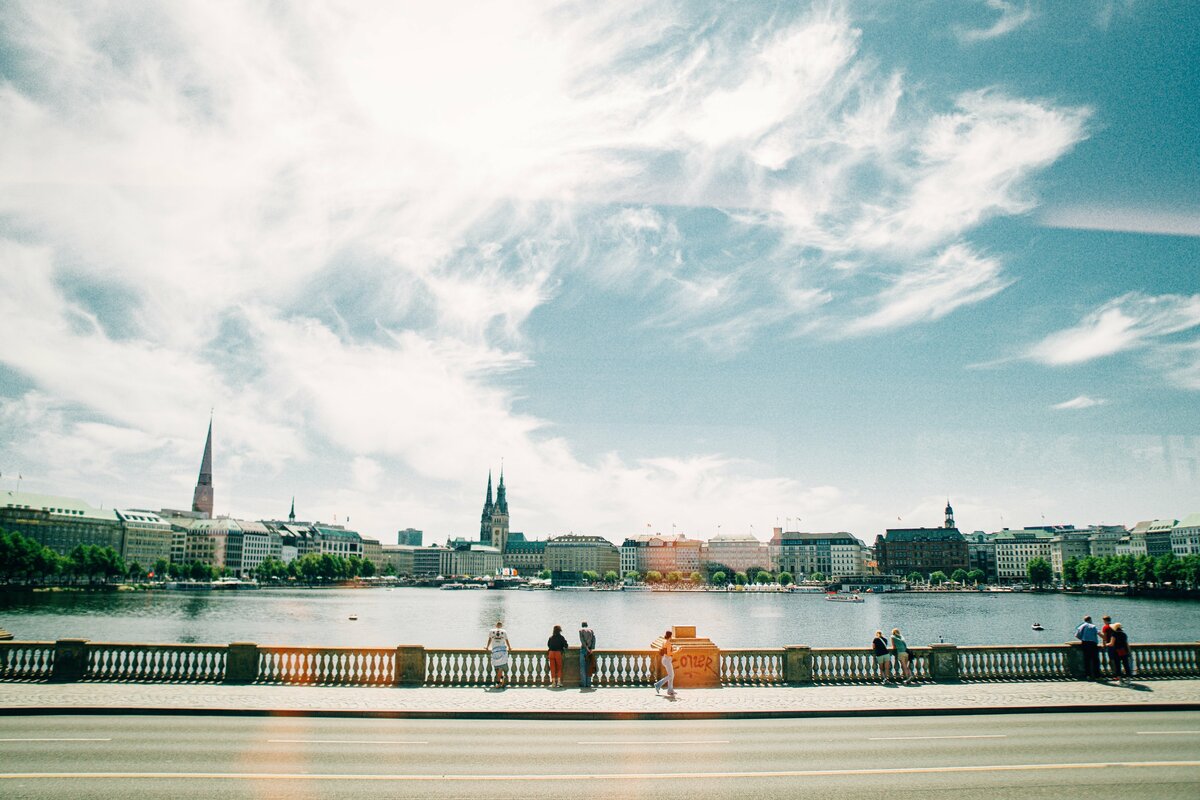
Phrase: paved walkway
[1017,697]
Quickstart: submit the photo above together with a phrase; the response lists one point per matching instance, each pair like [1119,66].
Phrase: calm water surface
[622,619]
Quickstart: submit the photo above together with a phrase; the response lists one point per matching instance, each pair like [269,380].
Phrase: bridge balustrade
[247,662]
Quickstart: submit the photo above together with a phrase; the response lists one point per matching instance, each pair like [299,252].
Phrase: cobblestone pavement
[474,701]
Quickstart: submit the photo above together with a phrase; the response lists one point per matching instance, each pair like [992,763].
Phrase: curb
[18,711]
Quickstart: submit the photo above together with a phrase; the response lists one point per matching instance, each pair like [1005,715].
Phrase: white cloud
[1082,401]
[956,277]
[1129,322]
[1124,219]
[1012,16]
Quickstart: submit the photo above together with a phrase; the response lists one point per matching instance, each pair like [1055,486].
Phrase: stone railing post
[241,662]
[410,665]
[70,660]
[943,662]
[797,664]
[1074,661]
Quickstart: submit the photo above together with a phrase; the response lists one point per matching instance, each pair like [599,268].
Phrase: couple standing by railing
[499,647]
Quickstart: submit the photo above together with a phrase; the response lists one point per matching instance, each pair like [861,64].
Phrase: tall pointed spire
[202,498]
[485,519]
[292,513]
[501,499]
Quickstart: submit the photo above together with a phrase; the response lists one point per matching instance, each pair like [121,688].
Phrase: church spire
[202,498]
[949,515]
[292,513]
[501,500]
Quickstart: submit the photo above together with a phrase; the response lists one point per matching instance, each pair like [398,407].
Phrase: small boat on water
[844,598]
[1037,626]
[453,586]
[354,617]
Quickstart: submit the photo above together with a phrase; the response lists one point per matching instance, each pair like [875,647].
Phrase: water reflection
[621,620]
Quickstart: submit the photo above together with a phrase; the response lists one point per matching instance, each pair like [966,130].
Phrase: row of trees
[25,560]
[1143,570]
[317,567]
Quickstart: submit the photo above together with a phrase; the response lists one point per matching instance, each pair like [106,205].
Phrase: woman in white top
[497,645]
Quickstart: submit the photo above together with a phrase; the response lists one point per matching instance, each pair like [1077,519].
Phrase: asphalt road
[1125,755]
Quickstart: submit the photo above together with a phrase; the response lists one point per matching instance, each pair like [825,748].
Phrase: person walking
[1106,632]
[900,651]
[666,654]
[883,658]
[556,645]
[498,647]
[587,655]
[1121,656]
[1089,635]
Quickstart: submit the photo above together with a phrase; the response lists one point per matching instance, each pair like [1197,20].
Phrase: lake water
[621,619]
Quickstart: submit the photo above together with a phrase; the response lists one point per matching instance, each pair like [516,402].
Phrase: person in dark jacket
[883,657]
[1121,661]
[556,645]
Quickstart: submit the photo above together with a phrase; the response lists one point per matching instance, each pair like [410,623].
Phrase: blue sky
[676,264]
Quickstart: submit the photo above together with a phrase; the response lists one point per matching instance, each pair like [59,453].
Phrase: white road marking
[635,776]
[343,741]
[56,740]
[916,738]
[1164,733]
[662,741]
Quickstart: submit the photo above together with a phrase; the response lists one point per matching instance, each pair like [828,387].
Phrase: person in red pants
[556,645]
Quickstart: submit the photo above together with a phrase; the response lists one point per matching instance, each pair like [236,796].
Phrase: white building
[830,554]
[1185,536]
[1015,549]
[736,552]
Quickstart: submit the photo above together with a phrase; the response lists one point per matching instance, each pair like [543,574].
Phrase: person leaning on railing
[556,645]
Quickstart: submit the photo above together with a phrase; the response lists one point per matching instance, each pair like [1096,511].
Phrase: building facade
[524,556]
[1015,549]
[829,554]
[148,538]
[735,553]
[576,553]
[410,536]
[1185,536]
[661,554]
[902,551]
[60,523]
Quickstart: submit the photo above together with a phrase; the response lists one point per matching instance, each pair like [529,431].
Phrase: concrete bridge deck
[625,703]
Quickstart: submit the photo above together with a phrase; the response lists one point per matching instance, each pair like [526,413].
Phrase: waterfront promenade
[619,703]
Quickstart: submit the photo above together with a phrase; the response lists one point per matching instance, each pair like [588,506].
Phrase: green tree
[1190,569]
[938,578]
[589,576]
[915,577]
[1089,569]
[544,574]
[1039,571]
[1070,571]
[654,576]
[975,576]
[785,578]
[1168,569]
[1143,570]
[817,576]
[135,571]
[764,577]
[696,578]
[199,571]
[959,576]
[674,577]
[741,579]
[611,576]
[633,575]
[718,578]
[162,568]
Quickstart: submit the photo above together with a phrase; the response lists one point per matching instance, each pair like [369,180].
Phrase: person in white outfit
[667,652]
[497,645]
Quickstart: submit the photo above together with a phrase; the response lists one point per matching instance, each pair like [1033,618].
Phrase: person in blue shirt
[1089,635]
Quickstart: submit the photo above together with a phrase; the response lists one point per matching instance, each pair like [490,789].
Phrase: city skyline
[689,265]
